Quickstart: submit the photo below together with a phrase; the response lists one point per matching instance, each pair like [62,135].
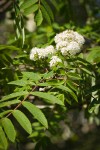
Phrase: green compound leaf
[5,113]
[48,97]
[94,54]
[23,121]
[74,76]
[21,82]
[3,140]
[72,85]
[9,129]
[13,95]
[39,18]
[48,75]
[64,88]
[31,75]
[48,9]
[8,47]
[31,9]
[45,15]
[36,112]
[9,103]
[27,3]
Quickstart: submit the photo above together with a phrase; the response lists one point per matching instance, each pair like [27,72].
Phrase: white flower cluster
[54,61]
[38,53]
[69,42]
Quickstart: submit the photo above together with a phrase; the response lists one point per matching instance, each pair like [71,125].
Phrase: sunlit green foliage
[35,97]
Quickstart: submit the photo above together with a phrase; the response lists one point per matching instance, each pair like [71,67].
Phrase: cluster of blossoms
[54,61]
[38,53]
[69,42]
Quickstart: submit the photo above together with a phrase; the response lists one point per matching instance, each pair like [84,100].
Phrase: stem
[21,102]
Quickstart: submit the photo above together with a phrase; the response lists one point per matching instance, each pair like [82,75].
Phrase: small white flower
[61,44]
[69,41]
[79,38]
[39,53]
[34,53]
[58,37]
[64,51]
[69,34]
[54,61]
[73,48]
[49,50]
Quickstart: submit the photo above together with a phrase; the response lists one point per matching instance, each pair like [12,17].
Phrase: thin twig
[21,102]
